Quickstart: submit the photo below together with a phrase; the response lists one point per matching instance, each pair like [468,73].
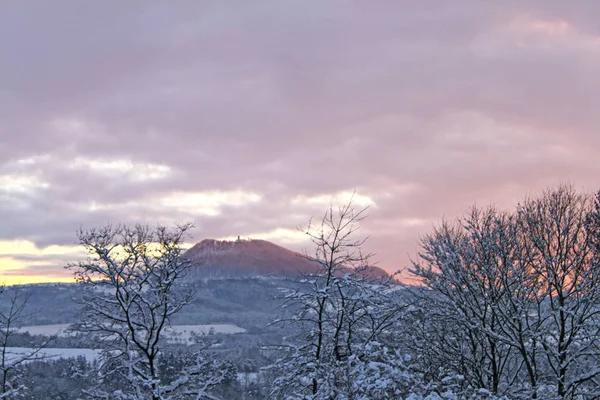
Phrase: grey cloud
[293,98]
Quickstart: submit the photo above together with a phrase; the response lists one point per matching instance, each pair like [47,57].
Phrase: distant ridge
[225,258]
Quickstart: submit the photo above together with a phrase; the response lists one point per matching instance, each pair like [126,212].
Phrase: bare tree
[12,315]
[134,286]
[460,262]
[566,274]
[526,286]
[340,309]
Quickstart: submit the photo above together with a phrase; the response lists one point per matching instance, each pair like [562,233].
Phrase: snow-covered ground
[47,330]
[183,333]
[14,353]
[176,333]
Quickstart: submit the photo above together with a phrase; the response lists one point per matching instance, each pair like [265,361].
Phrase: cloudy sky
[248,117]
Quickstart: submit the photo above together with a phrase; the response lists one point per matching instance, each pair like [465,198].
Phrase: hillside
[249,258]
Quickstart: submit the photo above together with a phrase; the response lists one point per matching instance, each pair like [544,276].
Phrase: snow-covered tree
[525,288]
[462,264]
[134,285]
[566,274]
[340,310]
[12,316]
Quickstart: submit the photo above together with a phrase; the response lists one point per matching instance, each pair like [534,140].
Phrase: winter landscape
[507,305]
[299,200]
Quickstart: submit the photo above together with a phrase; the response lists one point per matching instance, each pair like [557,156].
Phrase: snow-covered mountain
[250,257]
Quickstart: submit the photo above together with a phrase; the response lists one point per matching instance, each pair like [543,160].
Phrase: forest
[506,306]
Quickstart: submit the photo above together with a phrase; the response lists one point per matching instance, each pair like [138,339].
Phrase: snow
[176,333]
[13,353]
[244,377]
[47,330]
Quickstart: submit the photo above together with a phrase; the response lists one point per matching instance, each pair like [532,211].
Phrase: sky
[249,117]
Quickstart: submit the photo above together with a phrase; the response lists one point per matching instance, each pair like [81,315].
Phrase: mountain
[250,257]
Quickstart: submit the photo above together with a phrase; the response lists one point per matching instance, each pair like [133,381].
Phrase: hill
[222,258]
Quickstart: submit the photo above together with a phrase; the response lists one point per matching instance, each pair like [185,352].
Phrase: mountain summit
[250,257]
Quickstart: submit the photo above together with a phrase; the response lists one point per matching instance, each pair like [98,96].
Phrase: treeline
[513,304]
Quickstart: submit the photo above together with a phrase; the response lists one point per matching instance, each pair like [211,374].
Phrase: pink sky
[249,117]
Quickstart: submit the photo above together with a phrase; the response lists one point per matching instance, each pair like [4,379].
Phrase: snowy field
[47,330]
[176,333]
[14,353]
